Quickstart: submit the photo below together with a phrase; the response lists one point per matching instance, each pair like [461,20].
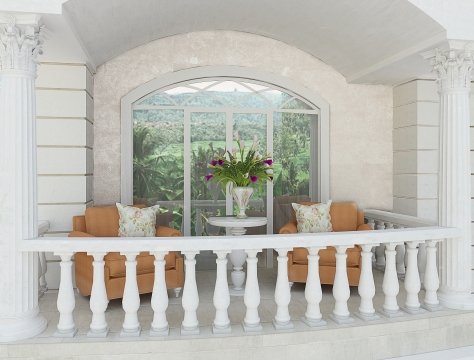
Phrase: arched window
[177,129]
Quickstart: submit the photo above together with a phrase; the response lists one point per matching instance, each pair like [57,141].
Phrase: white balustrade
[159,297]
[98,300]
[221,299]
[313,292]
[190,299]
[340,289]
[412,279]
[367,286]
[282,319]
[390,283]
[380,250]
[252,294]
[66,301]
[431,282]
[421,261]
[392,240]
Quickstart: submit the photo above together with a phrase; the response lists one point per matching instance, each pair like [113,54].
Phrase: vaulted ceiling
[374,41]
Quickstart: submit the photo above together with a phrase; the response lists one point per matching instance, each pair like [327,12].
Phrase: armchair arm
[79,234]
[364,227]
[288,228]
[164,231]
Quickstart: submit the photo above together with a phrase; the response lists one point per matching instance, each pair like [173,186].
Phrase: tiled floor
[206,311]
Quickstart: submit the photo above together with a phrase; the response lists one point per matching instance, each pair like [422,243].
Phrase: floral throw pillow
[137,222]
[313,218]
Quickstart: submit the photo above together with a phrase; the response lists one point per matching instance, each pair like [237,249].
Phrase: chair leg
[177,291]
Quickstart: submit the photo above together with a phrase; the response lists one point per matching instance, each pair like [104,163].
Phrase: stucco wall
[361,115]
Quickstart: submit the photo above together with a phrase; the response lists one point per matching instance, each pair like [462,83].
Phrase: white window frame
[319,147]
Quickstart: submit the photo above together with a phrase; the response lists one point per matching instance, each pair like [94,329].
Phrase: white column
[221,323]
[340,289]
[367,286]
[131,297]
[159,297]
[190,299]
[453,70]
[312,292]
[19,46]
[252,294]
[412,279]
[66,301]
[282,320]
[390,284]
[431,283]
[98,301]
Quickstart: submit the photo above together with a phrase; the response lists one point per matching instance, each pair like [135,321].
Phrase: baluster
[66,301]
[252,294]
[431,283]
[131,297]
[380,250]
[340,289]
[43,268]
[221,295]
[282,320]
[400,260]
[98,301]
[159,297]
[190,299]
[367,286]
[390,284]
[412,279]
[422,262]
[313,293]
[371,223]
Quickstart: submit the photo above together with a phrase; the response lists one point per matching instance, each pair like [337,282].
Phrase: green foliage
[241,167]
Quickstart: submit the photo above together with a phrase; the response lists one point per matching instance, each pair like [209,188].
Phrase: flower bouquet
[241,169]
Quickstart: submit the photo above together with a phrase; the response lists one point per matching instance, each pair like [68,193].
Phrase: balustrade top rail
[397,219]
[197,243]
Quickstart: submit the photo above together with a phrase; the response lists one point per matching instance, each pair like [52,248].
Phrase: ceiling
[368,41]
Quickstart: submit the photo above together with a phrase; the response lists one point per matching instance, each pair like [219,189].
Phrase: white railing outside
[222,245]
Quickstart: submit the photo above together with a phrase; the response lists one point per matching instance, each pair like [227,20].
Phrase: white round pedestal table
[237,227]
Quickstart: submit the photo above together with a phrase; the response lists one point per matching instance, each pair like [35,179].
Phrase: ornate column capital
[452,68]
[19,47]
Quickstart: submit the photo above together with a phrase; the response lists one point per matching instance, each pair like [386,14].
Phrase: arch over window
[172,126]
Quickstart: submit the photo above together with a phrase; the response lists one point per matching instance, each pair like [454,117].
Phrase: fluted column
[19,312]
[453,71]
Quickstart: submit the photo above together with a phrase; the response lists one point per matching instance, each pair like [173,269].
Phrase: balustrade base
[413,311]
[158,332]
[392,313]
[432,308]
[285,326]
[367,317]
[189,331]
[313,323]
[252,328]
[221,330]
[341,319]
[131,333]
[98,334]
[65,334]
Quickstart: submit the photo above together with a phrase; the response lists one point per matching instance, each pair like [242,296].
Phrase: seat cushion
[327,257]
[145,263]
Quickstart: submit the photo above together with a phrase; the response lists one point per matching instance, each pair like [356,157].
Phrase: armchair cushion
[313,218]
[134,221]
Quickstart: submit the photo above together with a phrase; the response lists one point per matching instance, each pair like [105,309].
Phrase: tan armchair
[104,222]
[345,216]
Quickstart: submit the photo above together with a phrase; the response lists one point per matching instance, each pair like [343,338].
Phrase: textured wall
[361,115]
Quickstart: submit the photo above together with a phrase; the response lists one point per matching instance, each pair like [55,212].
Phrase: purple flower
[269,162]
[220,162]
[253,178]
[209,177]
[214,162]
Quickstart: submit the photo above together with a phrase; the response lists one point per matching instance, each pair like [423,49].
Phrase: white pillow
[313,218]
[137,222]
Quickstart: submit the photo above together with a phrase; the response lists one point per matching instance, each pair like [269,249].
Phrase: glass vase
[241,195]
